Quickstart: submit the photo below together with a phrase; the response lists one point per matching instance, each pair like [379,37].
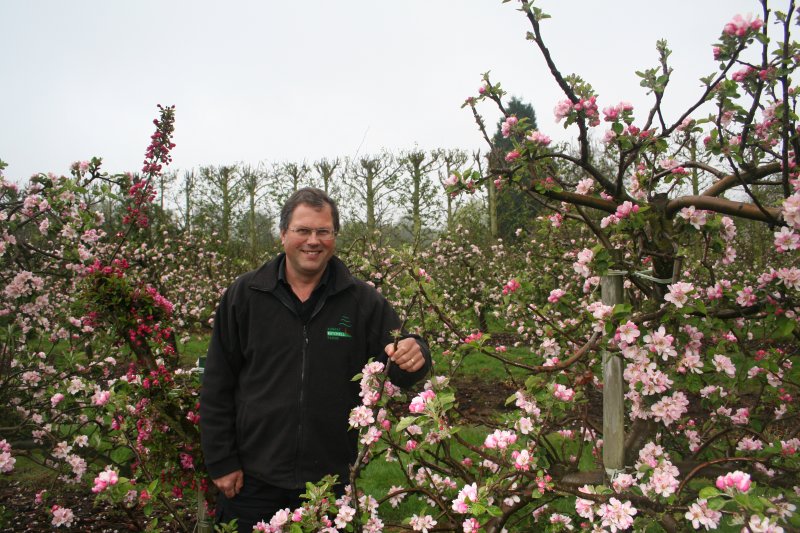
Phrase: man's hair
[310,196]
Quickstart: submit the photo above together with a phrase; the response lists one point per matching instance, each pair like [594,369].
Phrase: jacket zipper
[303,357]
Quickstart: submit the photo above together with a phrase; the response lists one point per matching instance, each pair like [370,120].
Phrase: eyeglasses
[323,234]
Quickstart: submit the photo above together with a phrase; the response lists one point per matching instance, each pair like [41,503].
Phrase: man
[277,388]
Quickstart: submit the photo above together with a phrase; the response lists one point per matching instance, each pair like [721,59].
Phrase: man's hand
[408,355]
[230,484]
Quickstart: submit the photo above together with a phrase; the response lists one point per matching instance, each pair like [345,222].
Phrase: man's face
[307,256]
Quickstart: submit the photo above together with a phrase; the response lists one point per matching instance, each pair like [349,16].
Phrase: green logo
[342,331]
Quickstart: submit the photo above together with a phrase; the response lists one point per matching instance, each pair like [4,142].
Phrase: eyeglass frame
[305,233]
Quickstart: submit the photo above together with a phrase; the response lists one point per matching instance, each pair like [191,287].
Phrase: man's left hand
[408,355]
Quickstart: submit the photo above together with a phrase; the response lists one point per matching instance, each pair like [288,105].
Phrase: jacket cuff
[217,469]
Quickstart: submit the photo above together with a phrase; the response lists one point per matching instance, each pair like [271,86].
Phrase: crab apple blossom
[507,125]
[627,333]
[700,515]
[563,393]
[62,516]
[616,515]
[422,523]
[734,480]
[105,479]
[739,26]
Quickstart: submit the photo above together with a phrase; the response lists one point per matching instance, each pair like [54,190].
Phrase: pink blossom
[762,524]
[695,217]
[739,25]
[101,397]
[627,332]
[468,494]
[56,399]
[505,128]
[344,517]
[610,220]
[361,416]
[562,109]
[742,74]
[522,460]
[660,342]
[790,277]
[473,337]
[678,293]
[500,439]
[734,480]
[538,137]
[555,295]
[422,523]
[589,108]
[585,257]
[584,186]
[626,209]
[105,479]
[511,286]
[670,408]
[790,447]
[421,400]
[599,310]
[451,180]
[786,240]
[471,525]
[622,482]
[563,393]
[700,515]
[584,508]
[512,156]
[556,219]
[62,516]
[617,515]
[746,297]
[791,210]
[6,460]
[187,462]
[724,364]
[613,113]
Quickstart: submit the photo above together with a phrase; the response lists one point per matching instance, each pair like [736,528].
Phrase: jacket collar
[266,277]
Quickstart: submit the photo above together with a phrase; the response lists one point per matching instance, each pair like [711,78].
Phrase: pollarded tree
[372,182]
[258,227]
[417,193]
[187,190]
[287,178]
[327,175]
[222,194]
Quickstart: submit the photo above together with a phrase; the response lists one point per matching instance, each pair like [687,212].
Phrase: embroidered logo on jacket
[342,331]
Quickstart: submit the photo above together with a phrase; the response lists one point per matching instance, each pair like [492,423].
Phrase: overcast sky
[263,80]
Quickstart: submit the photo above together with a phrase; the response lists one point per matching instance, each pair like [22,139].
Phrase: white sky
[263,80]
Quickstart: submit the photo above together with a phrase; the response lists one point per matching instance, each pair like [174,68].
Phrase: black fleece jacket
[277,392]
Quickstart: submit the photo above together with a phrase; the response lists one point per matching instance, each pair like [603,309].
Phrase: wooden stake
[613,401]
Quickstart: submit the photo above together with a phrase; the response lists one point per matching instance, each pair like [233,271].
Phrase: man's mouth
[312,253]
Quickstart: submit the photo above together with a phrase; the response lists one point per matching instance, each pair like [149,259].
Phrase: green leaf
[784,328]
[707,493]
[716,504]
[494,511]
[122,455]
[405,422]
[622,310]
